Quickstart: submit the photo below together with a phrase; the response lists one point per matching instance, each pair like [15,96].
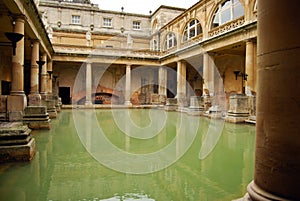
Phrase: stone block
[154,99]
[3,104]
[171,101]
[23,152]
[238,105]
[31,110]
[34,99]
[15,107]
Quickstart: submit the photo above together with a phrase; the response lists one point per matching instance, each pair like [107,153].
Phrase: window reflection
[192,29]
[227,11]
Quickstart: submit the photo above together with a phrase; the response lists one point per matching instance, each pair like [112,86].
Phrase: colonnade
[162,82]
[17,100]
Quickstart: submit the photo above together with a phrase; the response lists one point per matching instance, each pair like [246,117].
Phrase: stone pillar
[208,74]
[162,80]
[162,83]
[208,80]
[17,100]
[88,84]
[277,151]
[250,67]
[128,85]
[49,80]
[181,83]
[44,77]
[34,98]
[250,85]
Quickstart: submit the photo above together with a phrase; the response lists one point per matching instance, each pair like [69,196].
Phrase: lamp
[14,38]
[244,78]
[240,74]
[40,63]
[50,73]
[55,77]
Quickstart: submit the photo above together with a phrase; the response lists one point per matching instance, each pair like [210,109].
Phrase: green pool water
[137,154]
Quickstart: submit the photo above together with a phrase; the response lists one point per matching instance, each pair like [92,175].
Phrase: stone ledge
[18,152]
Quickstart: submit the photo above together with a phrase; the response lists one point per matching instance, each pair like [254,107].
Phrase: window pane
[192,32]
[199,29]
[226,4]
[192,22]
[225,16]
[238,11]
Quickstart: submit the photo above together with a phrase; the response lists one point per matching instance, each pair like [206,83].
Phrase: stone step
[9,142]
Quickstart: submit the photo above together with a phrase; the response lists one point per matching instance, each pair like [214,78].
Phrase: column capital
[19,17]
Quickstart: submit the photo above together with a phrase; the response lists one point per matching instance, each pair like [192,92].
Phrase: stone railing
[114,52]
[184,44]
[226,27]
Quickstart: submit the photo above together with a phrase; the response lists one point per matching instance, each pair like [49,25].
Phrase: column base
[255,193]
[34,99]
[128,103]
[88,103]
[15,107]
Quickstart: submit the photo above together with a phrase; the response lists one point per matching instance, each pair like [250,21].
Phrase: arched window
[192,29]
[170,41]
[227,11]
[255,6]
[154,45]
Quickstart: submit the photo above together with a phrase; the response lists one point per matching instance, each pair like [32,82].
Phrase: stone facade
[171,52]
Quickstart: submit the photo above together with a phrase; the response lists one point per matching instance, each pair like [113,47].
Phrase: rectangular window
[75,19]
[136,25]
[107,22]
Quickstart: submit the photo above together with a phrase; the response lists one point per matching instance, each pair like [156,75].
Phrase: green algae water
[200,159]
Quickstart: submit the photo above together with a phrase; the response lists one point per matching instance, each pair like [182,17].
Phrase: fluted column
[277,150]
[162,81]
[88,84]
[34,98]
[44,77]
[128,85]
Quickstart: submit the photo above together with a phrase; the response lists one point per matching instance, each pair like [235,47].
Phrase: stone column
[250,67]
[277,151]
[49,80]
[162,83]
[128,85]
[208,75]
[250,84]
[44,77]
[17,85]
[34,98]
[181,83]
[17,100]
[88,84]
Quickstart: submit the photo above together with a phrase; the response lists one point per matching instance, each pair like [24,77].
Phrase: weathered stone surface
[23,152]
[15,107]
[238,105]
[16,143]
[35,110]
[37,117]
[154,99]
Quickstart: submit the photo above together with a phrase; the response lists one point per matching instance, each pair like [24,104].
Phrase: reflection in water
[129,197]
[63,169]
